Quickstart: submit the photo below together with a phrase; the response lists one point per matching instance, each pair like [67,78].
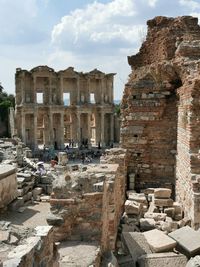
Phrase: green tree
[6,101]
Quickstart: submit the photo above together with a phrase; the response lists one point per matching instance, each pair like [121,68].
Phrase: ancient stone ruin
[55,107]
[160,108]
[139,205]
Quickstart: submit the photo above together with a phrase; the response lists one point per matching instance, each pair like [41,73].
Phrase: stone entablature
[55,107]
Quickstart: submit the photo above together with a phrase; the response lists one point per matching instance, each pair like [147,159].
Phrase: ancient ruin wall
[160,110]
[8,185]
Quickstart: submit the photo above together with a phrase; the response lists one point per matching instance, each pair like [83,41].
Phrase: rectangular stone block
[156,216]
[136,244]
[167,259]
[138,197]
[163,202]
[132,207]
[188,240]
[158,241]
[162,193]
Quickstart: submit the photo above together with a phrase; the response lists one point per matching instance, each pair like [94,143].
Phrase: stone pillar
[88,90]
[61,91]
[98,128]
[34,89]
[35,144]
[61,141]
[51,140]
[23,88]
[111,128]
[23,127]
[50,91]
[78,129]
[78,92]
[89,130]
[46,130]
[102,130]
[102,91]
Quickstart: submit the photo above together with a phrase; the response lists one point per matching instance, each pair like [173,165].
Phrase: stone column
[78,129]
[46,130]
[34,89]
[23,127]
[51,141]
[98,128]
[102,130]
[78,91]
[61,141]
[61,91]
[23,88]
[89,130]
[102,91]
[50,91]
[35,130]
[111,128]
[88,90]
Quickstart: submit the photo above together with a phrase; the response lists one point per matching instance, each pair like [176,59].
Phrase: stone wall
[87,202]
[8,185]
[160,111]
[37,250]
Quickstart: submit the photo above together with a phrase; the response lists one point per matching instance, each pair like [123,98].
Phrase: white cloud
[97,23]
[191,4]
[152,3]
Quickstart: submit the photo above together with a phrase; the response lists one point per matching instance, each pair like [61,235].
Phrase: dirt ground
[32,216]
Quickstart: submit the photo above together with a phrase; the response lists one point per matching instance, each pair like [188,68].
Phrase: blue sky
[85,34]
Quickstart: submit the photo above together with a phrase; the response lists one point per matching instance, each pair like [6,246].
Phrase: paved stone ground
[77,254]
[32,216]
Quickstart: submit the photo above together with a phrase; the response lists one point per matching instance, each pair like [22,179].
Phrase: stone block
[136,244]
[177,208]
[170,212]
[158,241]
[149,191]
[194,262]
[167,259]
[155,216]
[147,224]
[162,193]
[4,236]
[54,220]
[188,240]
[132,207]
[139,197]
[163,202]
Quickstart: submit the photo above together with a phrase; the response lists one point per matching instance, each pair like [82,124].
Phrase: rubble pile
[153,209]
[19,246]
[154,231]
[32,184]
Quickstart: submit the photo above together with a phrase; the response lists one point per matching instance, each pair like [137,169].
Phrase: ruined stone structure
[87,202]
[161,117]
[8,185]
[55,107]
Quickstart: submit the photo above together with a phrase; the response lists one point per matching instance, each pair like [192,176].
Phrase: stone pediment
[42,68]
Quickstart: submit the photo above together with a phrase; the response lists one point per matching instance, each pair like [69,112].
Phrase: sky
[84,34]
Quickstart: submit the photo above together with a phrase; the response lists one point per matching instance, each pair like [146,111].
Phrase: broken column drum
[160,111]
